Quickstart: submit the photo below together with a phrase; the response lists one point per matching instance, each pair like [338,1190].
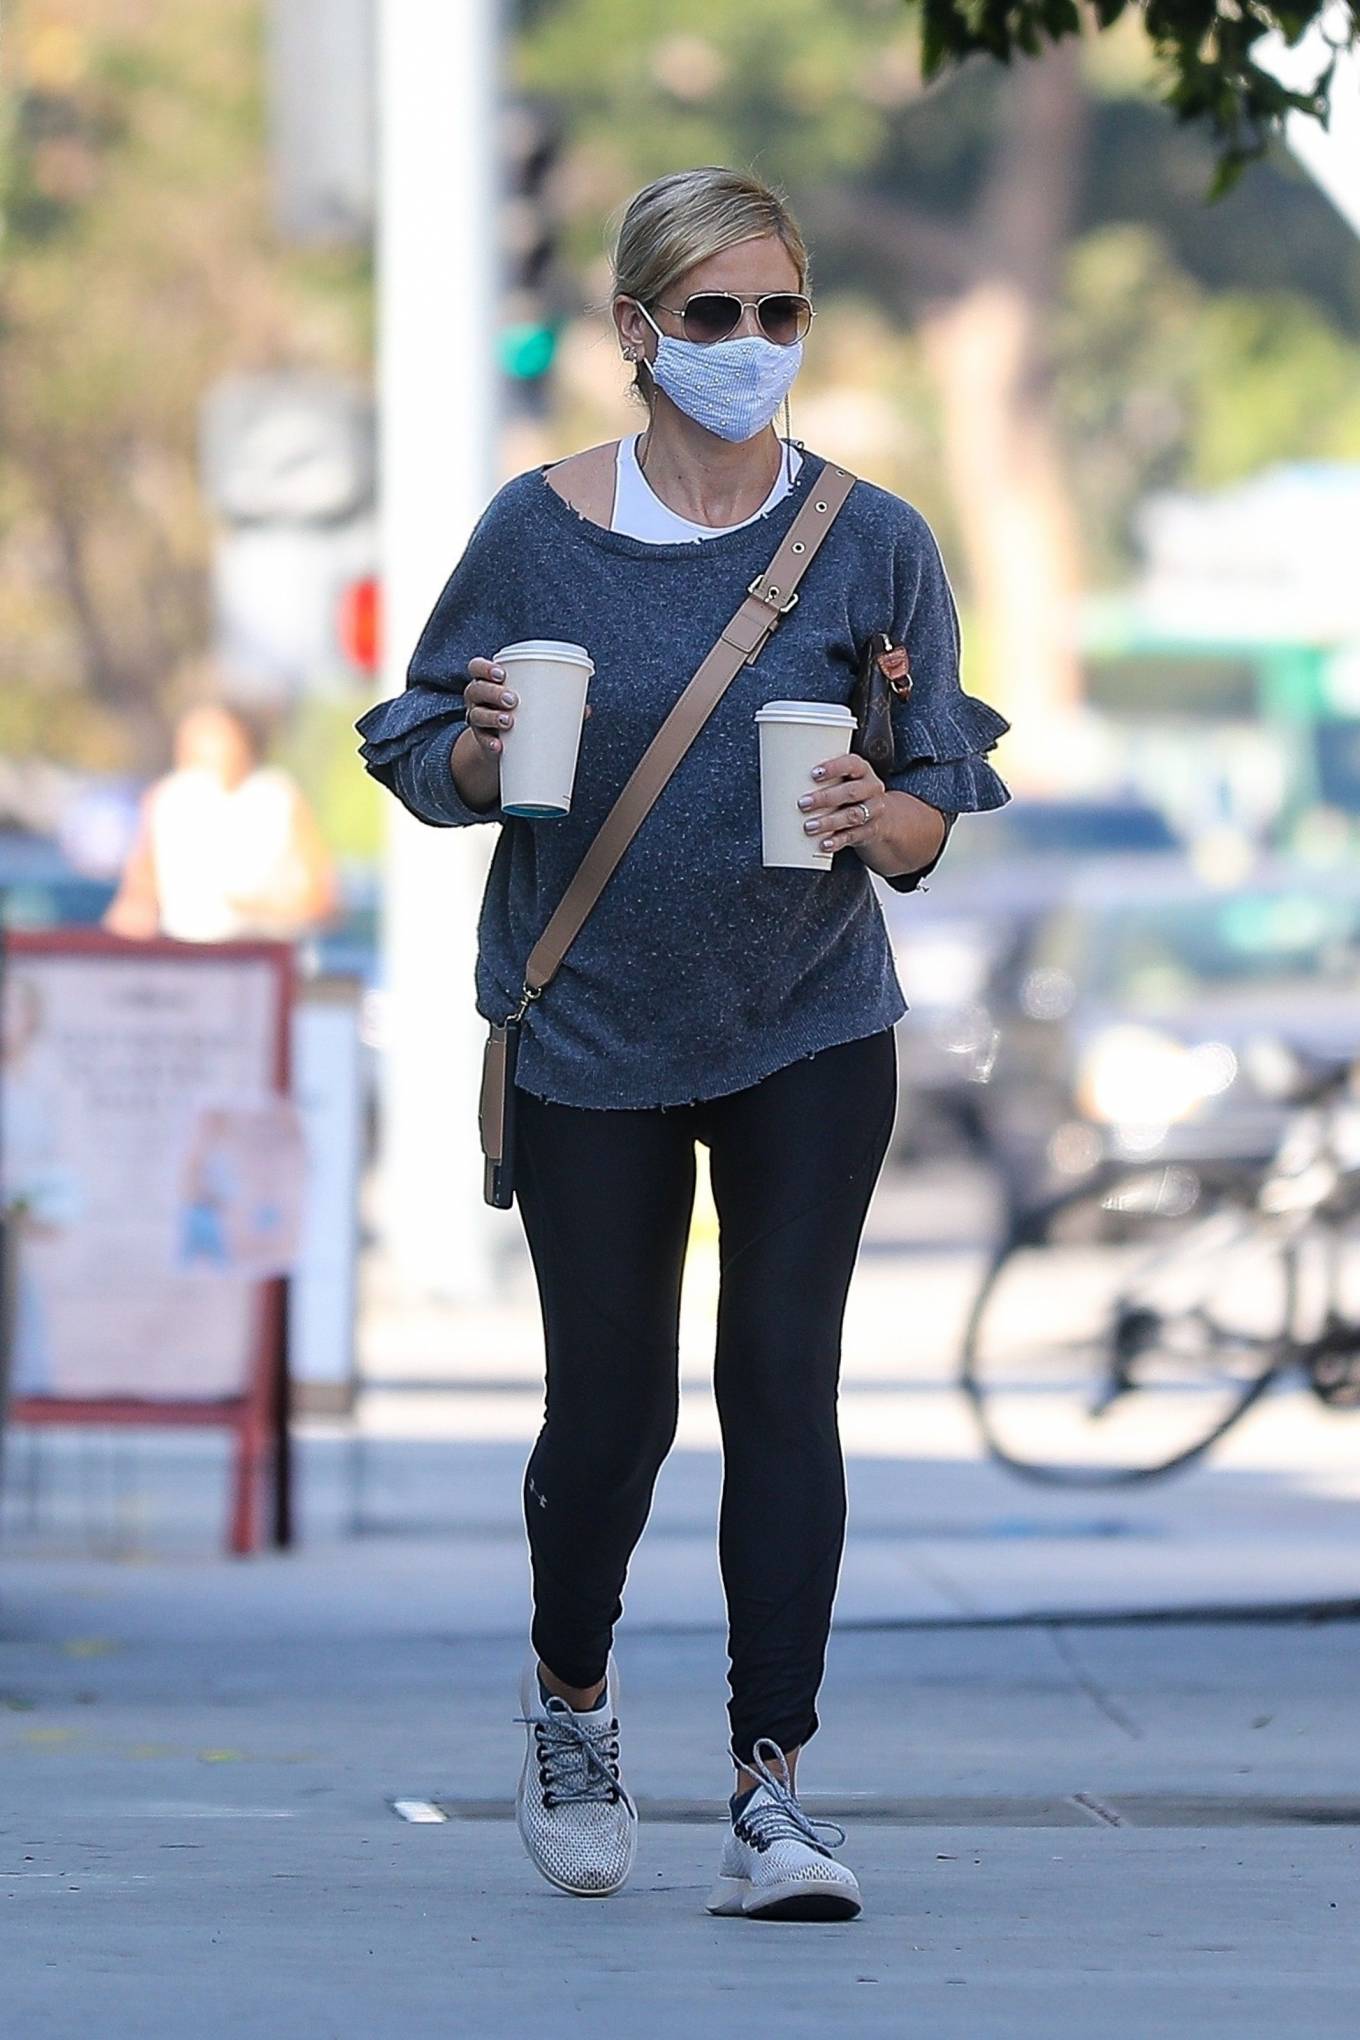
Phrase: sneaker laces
[578,1760]
[780,1818]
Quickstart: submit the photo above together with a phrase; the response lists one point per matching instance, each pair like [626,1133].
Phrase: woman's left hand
[845,810]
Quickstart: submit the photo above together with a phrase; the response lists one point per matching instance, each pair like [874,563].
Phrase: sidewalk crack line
[1100,1699]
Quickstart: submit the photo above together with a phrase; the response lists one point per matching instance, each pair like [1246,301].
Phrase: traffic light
[530,314]
[360,624]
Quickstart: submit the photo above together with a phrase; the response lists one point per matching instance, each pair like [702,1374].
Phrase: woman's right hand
[490,705]
[475,760]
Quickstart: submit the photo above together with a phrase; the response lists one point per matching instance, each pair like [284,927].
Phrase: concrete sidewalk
[1107,1831]
[1063,1826]
[1115,1830]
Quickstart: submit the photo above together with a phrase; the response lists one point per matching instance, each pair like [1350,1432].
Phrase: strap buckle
[763,592]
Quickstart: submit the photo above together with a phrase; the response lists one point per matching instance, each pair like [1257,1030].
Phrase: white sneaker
[774,1867]
[573,1813]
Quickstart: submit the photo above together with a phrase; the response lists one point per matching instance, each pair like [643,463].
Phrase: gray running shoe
[573,1812]
[775,1865]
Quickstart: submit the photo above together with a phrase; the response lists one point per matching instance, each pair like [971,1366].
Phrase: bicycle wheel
[1114,1338]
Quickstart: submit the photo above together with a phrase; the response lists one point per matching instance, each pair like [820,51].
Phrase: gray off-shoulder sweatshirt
[699,971]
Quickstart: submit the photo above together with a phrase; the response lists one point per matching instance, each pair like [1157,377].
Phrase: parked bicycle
[1125,1326]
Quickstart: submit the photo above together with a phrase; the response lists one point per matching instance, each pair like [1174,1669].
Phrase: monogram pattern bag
[884,673]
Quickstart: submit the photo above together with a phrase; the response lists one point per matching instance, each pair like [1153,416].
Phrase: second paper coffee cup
[795,736]
[538,755]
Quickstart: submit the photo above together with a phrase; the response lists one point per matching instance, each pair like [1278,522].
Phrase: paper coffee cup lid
[547,648]
[805,712]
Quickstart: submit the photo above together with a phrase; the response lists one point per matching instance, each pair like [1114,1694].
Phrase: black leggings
[606,1198]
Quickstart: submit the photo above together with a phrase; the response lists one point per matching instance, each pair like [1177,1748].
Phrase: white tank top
[211,846]
[640,513]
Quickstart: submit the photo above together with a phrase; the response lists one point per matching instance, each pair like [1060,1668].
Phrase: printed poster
[151,1169]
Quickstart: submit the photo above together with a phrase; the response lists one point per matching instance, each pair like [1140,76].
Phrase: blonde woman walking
[707,998]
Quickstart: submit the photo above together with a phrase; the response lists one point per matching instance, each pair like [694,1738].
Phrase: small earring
[629,355]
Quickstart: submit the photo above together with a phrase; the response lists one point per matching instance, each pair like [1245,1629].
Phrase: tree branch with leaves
[1210,52]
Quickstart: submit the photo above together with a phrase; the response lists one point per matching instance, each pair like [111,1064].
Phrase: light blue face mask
[731,387]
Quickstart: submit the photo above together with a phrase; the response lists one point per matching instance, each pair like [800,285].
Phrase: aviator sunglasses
[783,316]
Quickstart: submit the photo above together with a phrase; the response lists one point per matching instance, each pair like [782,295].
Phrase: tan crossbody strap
[770,596]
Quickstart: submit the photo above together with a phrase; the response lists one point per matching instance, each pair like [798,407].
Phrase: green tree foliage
[829,94]
[804,89]
[1209,52]
[1191,343]
[1161,383]
[139,265]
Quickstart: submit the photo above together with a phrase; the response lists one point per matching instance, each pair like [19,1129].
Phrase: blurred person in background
[708,998]
[226,847]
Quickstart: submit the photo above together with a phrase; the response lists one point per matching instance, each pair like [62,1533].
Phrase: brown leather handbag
[770,596]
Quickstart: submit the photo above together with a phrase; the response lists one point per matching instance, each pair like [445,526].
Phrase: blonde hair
[685,218]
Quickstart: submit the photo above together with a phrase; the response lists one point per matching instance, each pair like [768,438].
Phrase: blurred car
[1121,1026]
[350,944]
[41,888]
[1000,873]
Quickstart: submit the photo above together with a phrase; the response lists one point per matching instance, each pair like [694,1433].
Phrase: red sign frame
[258,1418]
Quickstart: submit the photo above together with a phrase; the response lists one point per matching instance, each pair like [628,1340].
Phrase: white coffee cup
[795,736]
[538,754]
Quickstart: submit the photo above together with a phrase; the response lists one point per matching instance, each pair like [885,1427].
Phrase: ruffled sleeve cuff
[943,764]
[941,751]
[408,745]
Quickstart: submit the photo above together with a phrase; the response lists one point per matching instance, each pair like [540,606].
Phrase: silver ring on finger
[863,807]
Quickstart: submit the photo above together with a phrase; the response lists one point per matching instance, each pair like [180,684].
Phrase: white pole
[437,288]
[1330,155]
